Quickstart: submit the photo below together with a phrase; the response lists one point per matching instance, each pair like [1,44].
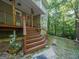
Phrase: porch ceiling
[26,6]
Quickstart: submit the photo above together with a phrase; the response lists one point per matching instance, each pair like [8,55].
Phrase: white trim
[24,26]
[19,12]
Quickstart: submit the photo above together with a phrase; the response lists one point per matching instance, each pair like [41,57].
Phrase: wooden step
[34,36]
[29,29]
[30,45]
[31,34]
[35,48]
[33,40]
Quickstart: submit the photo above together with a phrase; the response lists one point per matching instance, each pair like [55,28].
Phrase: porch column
[32,20]
[32,13]
[14,12]
[24,32]
[14,21]
[24,25]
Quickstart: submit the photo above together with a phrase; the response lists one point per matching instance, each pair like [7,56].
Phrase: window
[18,18]
[9,20]
[2,18]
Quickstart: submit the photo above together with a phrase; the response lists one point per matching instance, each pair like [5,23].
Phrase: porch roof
[26,6]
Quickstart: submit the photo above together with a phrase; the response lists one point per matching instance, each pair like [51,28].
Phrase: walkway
[59,48]
[64,49]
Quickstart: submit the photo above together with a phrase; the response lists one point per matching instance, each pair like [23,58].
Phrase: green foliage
[61,21]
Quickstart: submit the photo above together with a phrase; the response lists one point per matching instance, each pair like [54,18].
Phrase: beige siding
[36,21]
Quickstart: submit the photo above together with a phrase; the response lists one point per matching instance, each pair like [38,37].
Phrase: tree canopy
[62,17]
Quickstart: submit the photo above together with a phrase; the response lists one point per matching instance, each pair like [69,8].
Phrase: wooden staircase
[34,41]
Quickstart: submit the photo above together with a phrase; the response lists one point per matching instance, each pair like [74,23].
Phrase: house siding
[43,17]
[36,21]
[6,18]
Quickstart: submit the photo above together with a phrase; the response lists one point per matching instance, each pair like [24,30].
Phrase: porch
[20,23]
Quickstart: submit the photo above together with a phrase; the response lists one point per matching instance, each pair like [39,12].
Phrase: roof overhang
[45,3]
[26,6]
